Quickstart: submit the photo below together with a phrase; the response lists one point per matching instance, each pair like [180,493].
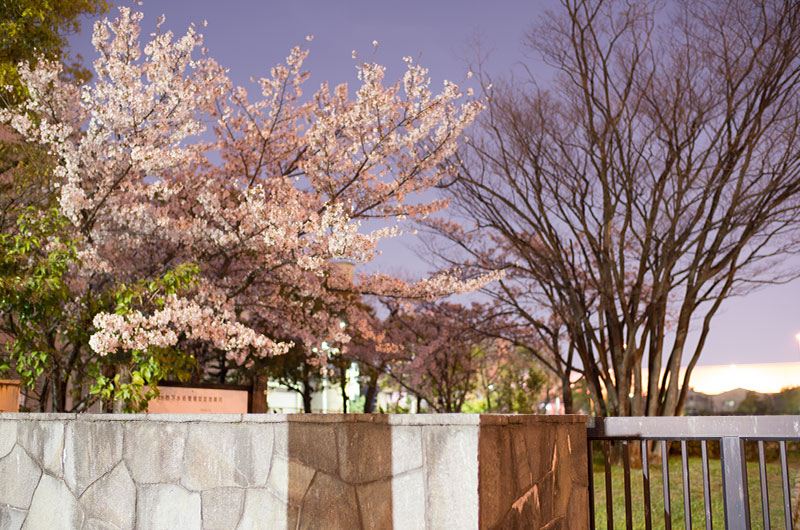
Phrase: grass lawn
[696,487]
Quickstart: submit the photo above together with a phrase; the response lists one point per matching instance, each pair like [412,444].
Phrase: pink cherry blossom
[263,210]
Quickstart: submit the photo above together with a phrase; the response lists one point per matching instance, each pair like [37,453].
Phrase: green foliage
[33,28]
[518,391]
[48,335]
[137,383]
[139,371]
[509,384]
[356,405]
[41,334]
[787,401]
[33,290]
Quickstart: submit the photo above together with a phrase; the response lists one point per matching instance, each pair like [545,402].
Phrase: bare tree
[658,175]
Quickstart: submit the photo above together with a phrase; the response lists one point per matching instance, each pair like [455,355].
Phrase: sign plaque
[198,400]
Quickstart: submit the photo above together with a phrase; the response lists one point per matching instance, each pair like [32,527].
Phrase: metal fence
[731,432]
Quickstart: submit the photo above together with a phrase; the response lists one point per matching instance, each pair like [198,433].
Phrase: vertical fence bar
[734,483]
[787,498]
[646,486]
[706,485]
[762,472]
[590,467]
[626,463]
[665,482]
[609,498]
[687,500]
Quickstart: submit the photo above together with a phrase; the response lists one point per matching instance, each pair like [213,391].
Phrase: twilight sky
[250,37]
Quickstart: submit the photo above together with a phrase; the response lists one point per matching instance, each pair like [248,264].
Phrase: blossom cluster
[264,210]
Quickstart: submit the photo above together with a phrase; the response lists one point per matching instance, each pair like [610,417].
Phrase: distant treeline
[787,401]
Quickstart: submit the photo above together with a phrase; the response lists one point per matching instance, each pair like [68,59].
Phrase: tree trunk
[372,392]
[258,399]
[307,399]
[124,377]
[343,386]
[566,396]
[369,397]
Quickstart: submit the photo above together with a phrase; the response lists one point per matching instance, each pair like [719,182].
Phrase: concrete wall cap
[388,419]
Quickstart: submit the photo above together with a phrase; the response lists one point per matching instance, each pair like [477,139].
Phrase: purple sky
[250,37]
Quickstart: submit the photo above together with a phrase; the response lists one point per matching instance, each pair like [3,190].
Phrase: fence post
[734,483]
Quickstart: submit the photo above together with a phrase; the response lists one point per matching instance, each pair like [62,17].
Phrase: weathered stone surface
[96,524]
[167,506]
[570,470]
[451,460]
[91,449]
[53,507]
[281,438]
[44,440]
[554,453]
[329,503]
[406,448]
[17,492]
[365,452]
[497,488]
[232,455]
[314,445]
[540,441]
[289,479]
[112,498]
[11,518]
[375,504]
[8,436]
[577,515]
[408,501]
[221,508]
[286,472]
[519,459]
[263,510]
[154,452]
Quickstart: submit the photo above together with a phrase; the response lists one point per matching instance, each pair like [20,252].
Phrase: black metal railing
[731,433]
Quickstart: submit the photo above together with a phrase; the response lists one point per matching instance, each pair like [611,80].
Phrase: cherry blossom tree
[145,195]
[434,351]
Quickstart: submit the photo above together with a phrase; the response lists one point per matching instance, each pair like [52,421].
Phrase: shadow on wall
[339,473]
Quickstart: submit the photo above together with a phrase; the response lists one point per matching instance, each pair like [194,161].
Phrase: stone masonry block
[45,441]
[11,518]
[451,462]
[167,506]
[406,448]
[154,451]
[263,510]
[329,503]
[314,445]
[91,449]
[221,508]
[374,502]
[112,498]
[289,479]
[8,436]
[408,500]
[365,452]
[18,491]
[53,507]
[227,455]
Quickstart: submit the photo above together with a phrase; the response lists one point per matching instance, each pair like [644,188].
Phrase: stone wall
[295,471]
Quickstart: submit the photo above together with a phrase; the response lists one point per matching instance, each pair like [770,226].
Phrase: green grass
[696,487]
